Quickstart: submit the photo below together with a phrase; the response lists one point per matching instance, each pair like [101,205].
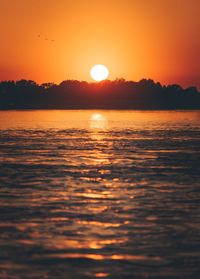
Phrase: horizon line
[102,82]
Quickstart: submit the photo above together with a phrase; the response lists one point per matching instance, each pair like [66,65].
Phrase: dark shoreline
[109,95]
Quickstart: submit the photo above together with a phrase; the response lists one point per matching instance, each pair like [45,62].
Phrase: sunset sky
[55,40]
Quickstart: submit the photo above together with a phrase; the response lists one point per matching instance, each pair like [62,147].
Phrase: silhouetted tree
[117,94]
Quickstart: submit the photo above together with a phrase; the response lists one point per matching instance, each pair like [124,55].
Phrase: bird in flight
[45,38]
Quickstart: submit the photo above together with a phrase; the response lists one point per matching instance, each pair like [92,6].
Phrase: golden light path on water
[98,125]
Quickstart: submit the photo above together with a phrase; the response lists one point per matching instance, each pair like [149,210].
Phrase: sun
[99,72]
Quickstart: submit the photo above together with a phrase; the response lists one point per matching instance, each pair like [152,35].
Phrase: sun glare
[99,72]
[97,117]
[98,121]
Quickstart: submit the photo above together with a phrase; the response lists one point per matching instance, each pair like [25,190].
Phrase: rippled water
[109,194]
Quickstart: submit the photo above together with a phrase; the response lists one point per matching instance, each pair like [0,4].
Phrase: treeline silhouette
[118,94]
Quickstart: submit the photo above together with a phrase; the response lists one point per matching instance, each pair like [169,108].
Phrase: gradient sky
[135,39]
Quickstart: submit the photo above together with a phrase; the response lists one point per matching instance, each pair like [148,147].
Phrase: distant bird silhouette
[45,38]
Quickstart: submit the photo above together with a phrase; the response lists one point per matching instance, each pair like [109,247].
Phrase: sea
[99,194]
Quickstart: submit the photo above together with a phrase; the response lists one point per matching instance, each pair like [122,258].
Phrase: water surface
[99,194]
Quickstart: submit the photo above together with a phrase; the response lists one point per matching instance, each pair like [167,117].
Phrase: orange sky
[135,39]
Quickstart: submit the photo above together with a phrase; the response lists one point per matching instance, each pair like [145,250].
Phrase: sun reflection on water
[98,124]
[98,121]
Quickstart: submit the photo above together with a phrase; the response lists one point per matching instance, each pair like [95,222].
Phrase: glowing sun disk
[99,72]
